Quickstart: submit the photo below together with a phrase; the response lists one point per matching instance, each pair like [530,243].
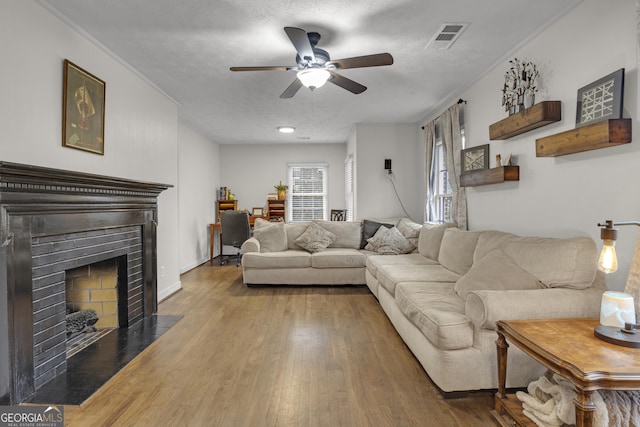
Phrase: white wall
[140,122]
[250,171]
[568,195]
[199,175]
[375,196]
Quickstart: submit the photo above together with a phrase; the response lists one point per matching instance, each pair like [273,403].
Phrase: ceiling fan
[315,66]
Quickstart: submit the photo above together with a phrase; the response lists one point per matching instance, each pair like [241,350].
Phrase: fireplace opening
[92,301]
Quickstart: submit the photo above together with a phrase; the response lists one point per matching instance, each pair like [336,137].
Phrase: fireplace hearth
[52,221]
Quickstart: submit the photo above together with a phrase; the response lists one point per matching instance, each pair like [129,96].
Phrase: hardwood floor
[275,356]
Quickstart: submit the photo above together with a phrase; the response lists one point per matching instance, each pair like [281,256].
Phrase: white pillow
[389,241]
[315,238]
[410,230]
[272,236]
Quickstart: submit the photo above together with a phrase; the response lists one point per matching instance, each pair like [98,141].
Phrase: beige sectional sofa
[445,297]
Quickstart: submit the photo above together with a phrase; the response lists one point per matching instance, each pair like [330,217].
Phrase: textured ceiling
[186,48]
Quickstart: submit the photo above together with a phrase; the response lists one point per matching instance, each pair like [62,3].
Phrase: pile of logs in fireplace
[81,321]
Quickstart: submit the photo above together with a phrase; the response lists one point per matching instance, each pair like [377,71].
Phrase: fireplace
[52,221]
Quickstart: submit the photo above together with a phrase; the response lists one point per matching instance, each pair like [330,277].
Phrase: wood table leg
[585,409]
[502,346]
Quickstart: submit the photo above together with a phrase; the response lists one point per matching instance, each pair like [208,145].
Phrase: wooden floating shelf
[490,176]
[607,133]
[538,115]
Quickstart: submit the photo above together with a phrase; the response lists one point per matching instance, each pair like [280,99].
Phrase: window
[307,192]
[348,186]
[442,189]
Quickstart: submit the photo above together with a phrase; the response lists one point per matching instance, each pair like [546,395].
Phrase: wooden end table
[568,348]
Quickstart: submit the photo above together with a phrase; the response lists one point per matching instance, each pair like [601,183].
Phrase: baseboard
[193,265]
[166,293]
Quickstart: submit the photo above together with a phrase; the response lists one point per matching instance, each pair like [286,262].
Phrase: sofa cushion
[430,238]
[389,241]
[315,238]
[496,271]
[456,250]
[347,232]
[338,258]
[285,259]
[410,230]
[439,315]
[369,229]
[374,261]
[490,240]
[565,263]
[272,236]
[390,275]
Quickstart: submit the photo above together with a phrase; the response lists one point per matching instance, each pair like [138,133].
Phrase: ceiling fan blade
[363,61]
[265,68]
[292,89]
[345,83]
[301,42]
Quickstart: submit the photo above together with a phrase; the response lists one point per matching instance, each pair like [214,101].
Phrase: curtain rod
[460,101]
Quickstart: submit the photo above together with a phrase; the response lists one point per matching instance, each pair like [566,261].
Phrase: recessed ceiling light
[286,129]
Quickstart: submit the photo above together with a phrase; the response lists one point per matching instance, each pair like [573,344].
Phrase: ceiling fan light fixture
[286,129]
[313,78]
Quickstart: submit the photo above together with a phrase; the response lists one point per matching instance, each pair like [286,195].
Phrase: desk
[568,348]
[217,227]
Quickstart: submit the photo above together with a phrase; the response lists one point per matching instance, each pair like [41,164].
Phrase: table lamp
[618,310]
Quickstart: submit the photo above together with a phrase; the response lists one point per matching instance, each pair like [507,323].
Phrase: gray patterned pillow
[389,241]
[315,238]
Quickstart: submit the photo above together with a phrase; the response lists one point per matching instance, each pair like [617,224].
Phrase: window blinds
[307,192]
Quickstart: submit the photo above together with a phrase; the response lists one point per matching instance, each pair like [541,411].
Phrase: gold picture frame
[83,100]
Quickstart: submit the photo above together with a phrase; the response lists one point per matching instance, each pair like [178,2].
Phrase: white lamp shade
[314,77]
[617,308]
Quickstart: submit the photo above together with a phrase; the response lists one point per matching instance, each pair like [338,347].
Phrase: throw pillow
[389,241]
[369,229]
[495,271]
[272,236]
[315,238]
[410,230]
[394,243]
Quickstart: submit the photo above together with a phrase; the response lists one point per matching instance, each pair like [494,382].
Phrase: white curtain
[452,142]
[430,170]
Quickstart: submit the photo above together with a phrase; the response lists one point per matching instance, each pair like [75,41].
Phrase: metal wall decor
[520,86]
[601,100]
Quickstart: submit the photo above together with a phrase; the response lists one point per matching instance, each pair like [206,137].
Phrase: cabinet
[490,176]
[226,204]
[276,209]
[606,133]
[538,115]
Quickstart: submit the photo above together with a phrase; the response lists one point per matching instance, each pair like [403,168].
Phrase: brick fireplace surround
[52,221]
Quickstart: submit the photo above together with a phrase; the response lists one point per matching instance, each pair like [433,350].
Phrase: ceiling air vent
[446,35]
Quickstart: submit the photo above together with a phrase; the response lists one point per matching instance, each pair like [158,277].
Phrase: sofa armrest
[250,245]
[485,308]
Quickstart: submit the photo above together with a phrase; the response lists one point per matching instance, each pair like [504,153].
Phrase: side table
[568,348]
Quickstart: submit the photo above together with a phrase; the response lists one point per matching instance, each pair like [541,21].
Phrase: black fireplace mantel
[37,201]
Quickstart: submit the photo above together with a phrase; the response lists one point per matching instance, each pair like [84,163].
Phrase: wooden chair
[338,214]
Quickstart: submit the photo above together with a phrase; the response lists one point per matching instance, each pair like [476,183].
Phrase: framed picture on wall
[82,109]
[474,158]
[601,100]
